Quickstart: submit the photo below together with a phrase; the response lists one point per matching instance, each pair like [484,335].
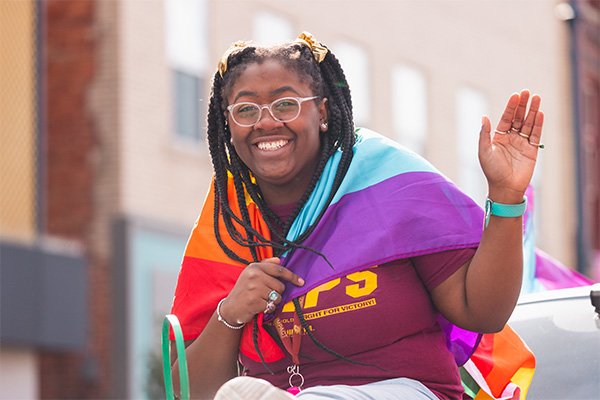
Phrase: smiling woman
[282,152]
[332,262]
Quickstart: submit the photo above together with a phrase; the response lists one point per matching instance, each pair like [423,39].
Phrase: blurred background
[104,164]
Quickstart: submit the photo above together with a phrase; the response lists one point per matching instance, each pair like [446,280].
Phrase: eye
[245,108]
[285,104]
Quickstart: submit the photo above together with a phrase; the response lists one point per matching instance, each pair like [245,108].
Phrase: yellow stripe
[522,378]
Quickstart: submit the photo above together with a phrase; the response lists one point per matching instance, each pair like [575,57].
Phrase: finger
[270,285]
[280,272]
[533,109]
[272,260]
[536,133]
[485,139]
[509,113]
[517,122]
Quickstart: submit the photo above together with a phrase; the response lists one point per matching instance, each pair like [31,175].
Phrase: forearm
[493,279]
[482,294]
[211,359]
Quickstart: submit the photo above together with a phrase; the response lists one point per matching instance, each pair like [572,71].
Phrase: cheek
[238,142]
[238,135]
[314,145]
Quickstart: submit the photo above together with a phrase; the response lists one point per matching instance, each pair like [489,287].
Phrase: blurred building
[584,54]
[104,165]
[45,205]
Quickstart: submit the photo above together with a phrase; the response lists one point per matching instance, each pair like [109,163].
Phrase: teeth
[272,145]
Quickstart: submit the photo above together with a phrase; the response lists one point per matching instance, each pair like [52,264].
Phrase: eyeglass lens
[283,110]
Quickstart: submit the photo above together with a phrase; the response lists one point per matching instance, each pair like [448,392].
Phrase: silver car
[562,328]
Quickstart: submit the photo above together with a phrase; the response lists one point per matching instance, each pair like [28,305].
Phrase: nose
[266,120]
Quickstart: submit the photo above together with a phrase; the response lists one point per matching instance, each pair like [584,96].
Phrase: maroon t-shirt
[382,316]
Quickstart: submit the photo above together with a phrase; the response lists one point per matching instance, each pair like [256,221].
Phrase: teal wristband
[504,210]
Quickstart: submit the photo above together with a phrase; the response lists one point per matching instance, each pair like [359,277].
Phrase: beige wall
[17,120]
[161,179]
[497,47]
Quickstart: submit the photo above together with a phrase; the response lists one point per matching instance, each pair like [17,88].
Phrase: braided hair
[326,79]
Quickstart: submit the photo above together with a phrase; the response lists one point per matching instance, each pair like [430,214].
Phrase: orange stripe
[203,243]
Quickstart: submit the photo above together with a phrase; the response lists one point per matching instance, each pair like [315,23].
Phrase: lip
[270,139]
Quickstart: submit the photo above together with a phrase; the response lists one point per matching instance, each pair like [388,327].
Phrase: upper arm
[450,297]
[444,276]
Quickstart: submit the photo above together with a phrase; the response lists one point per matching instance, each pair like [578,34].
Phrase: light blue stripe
[377,158]
[309,213]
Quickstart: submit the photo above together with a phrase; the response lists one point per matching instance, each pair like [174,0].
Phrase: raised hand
[258,289]
[508,156]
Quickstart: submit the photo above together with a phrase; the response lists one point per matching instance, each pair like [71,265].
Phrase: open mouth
[272,146]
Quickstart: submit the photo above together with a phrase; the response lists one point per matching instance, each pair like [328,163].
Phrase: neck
[290,193]
[278,195]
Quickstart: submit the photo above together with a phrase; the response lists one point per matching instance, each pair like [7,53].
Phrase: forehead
[266,79]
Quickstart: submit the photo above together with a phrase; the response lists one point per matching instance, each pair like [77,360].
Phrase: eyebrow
[273,92]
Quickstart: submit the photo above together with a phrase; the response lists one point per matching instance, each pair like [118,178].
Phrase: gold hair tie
[319,51]
[234,48]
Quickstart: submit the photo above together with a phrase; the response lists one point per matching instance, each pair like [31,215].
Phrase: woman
[333,261]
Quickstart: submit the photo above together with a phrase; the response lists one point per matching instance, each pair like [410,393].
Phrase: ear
[323,112]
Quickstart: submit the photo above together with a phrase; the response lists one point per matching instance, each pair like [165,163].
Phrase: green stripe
[471,387]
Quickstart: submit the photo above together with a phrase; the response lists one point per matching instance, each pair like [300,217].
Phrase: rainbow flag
[501,368]
[392,204]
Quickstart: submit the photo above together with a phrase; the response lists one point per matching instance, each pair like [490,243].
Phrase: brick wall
[69,71]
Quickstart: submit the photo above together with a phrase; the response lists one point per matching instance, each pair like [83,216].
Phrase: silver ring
[501,132]
[538,145]
[515,130]
[273,295]
[270,307]
[524,135]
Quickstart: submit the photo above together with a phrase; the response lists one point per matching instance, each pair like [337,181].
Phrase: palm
[508,158]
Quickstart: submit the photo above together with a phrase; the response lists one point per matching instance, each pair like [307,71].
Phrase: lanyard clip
[294,371]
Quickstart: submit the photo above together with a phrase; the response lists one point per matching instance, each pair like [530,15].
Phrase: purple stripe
[404,216]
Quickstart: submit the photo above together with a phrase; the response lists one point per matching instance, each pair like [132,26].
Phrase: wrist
[505,196]
[510,210]
[225,318]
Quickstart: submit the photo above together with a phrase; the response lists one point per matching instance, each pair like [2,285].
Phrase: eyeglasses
[286,109]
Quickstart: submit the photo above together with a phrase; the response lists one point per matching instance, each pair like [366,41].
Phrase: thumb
[485,139]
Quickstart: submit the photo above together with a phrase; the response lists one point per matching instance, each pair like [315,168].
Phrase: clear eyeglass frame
[269,106]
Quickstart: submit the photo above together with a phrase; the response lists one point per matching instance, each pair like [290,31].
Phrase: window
[186,45]
[187,93]
[471,105]
[269,29]
[354,62]
[409,107]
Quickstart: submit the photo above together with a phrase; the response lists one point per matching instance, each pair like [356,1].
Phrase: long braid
[329,81]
